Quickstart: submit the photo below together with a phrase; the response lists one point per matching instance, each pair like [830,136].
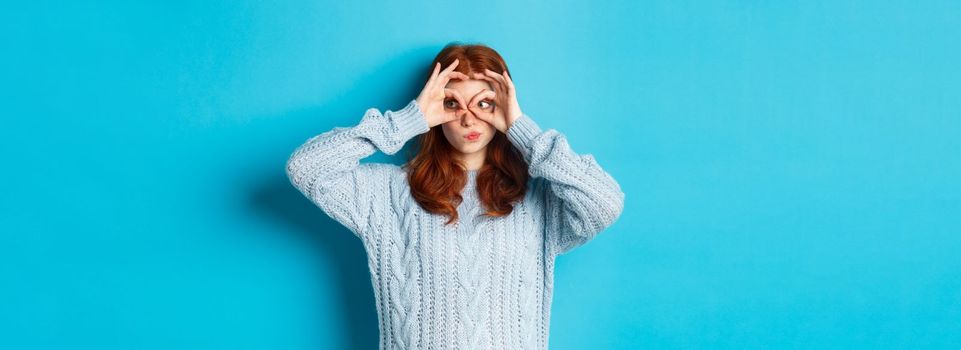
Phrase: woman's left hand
[506,109]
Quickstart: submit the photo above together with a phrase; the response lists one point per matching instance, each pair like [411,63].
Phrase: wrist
[522,134]
[510,122]
[423,112]
[419,105]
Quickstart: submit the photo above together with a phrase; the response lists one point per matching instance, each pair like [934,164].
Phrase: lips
[472,136]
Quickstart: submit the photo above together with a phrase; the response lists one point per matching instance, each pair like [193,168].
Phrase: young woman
[461,239]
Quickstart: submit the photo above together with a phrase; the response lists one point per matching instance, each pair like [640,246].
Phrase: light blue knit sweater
[482,283]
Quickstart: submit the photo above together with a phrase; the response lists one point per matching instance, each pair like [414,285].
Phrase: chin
[470,148]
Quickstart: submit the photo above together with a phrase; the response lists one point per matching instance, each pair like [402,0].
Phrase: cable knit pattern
[481,283]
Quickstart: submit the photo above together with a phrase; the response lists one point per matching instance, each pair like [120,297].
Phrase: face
[456,131]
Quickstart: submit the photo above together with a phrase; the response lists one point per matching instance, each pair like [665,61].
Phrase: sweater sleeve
[580,198]
[327,169]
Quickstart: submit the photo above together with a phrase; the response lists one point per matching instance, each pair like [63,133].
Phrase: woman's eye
[450,104]
[485,104]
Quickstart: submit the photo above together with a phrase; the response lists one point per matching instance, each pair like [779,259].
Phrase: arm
[581,199]
[327,169]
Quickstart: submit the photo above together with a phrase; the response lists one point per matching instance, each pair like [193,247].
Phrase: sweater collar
[471,182]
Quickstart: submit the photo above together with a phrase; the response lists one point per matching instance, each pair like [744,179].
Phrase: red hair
[436,177]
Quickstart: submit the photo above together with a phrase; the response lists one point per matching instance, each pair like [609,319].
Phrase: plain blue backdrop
[792,170]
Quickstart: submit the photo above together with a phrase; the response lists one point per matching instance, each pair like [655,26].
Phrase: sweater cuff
[522,133]
[410,121]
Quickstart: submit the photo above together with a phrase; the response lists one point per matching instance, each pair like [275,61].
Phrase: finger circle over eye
[484,94]
[456,95]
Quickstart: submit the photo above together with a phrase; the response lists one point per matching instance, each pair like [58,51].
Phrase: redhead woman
[461,239]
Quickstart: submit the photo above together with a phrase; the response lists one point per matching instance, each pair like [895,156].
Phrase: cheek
[491,131]
[450,134]
[447,131]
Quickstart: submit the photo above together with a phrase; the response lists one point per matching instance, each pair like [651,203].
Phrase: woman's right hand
[431,99]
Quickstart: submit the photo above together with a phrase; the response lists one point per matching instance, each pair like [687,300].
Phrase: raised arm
[327,169]
[581,199]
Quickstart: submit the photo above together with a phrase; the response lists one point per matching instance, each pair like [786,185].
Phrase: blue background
[792,170]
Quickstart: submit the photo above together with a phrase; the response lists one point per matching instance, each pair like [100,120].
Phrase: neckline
[471,180]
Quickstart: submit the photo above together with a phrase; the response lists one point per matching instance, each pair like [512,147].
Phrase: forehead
[469,87]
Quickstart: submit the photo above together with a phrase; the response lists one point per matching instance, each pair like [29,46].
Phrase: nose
[467,118]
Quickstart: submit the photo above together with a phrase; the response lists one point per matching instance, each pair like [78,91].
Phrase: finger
[509,85]
[485,94]
[485,117]
[456,96]
[451,66]
[496,95]
[498,80]
[485,114]
[496,76]
[494,83]
[445,74]
[475,103]
[433,74]
[446,79]
[510,82]
[454,93]
[458,75]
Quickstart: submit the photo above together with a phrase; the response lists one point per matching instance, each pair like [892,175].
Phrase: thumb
[486,116]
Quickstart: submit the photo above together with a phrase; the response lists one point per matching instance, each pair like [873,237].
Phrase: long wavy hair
[436,177]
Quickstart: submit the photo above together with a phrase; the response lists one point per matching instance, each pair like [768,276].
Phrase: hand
[506,109]
[432,97]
